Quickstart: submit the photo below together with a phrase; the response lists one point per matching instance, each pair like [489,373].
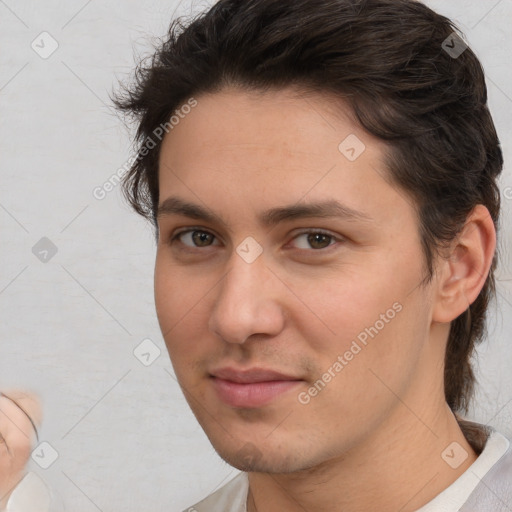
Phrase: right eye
[194,238]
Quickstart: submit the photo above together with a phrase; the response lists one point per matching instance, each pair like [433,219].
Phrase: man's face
[332,302]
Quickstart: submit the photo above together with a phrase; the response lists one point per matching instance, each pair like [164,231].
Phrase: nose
[247,302]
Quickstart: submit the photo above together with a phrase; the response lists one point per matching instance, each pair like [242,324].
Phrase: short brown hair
[389,61]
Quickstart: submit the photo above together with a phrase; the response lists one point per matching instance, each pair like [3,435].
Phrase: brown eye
[319,240]
[314,240]
[195,238]
[201,238]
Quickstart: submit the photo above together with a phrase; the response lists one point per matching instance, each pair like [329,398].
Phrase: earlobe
[463,273]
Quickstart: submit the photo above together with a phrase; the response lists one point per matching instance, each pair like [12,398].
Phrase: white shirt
[486,486]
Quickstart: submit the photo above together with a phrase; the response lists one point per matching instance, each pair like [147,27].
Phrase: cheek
[339,306]
[376,348]
[179,302]
[177,292]
[369,317]
[167,294]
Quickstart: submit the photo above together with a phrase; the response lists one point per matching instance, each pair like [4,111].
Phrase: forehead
[273,148]
[287,120]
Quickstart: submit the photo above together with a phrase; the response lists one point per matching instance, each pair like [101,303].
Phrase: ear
[463,271]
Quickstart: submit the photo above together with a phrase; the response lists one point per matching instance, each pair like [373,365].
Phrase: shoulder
[494,491]
[231,497]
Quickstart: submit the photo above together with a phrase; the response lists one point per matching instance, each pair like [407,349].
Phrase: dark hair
[389,60]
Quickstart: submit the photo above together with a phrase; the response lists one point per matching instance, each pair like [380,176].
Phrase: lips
[251,388]
[251,375]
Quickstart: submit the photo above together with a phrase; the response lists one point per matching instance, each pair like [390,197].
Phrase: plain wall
[124,434]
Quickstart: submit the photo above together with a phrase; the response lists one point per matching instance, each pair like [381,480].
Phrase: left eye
[314,240]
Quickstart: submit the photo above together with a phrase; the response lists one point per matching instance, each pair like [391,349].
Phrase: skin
[17,436]
[372,438]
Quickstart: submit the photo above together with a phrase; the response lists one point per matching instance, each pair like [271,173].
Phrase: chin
[251,458]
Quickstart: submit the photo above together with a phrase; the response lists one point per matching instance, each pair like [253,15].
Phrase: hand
[20,416]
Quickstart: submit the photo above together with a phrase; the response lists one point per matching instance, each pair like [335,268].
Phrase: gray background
[124,435]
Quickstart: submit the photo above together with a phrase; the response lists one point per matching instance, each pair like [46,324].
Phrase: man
[322,179]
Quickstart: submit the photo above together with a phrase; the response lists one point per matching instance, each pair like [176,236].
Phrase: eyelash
[334,238]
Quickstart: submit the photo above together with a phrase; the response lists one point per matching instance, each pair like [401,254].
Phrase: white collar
[454,496]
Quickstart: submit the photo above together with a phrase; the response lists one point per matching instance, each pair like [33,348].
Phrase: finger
[29,403]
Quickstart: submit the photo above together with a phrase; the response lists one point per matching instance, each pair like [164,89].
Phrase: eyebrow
[326,209]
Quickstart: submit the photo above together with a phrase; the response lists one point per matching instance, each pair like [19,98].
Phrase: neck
[399,467]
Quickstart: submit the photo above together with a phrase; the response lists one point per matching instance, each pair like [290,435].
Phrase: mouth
[251,388]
